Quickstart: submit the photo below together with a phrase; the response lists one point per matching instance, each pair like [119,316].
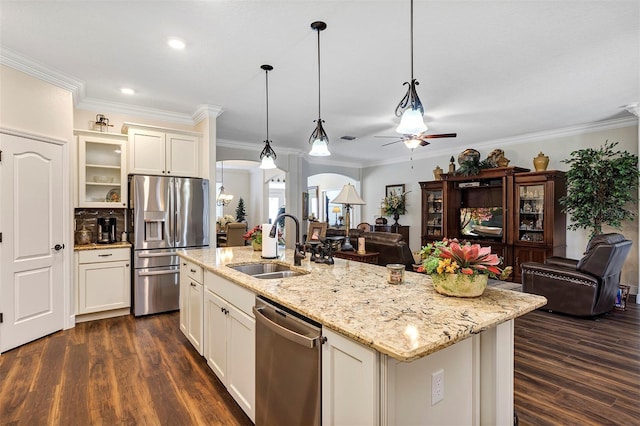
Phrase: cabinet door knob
[58,247]
[193,285]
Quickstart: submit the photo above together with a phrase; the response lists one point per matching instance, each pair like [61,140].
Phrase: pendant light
[410,108]
[319,140]
[223,199]
[268,155]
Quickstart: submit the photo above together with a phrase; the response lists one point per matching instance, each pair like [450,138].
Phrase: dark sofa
[391,246]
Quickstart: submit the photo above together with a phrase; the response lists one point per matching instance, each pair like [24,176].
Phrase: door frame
[67,212]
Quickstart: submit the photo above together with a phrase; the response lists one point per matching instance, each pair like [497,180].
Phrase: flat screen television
[481,222]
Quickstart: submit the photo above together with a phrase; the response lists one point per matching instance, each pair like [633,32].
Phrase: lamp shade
[267,163]
[319,148]
[336,209]
[348,195]
[411,123]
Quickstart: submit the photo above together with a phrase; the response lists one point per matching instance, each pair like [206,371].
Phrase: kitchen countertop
[406,321]
[94,246]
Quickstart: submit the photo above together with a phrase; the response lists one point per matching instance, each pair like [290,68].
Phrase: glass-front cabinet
[102,174]
[433,210]
[531,212]
[539,222]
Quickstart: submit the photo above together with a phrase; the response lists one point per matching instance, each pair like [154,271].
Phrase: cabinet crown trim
[128,125]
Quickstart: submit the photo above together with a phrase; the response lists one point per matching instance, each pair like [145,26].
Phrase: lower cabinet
[349,382]
[230,338]
[103,283]
[191,303]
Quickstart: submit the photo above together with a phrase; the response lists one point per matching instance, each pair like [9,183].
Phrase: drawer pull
[193,271]
[193,285]
[105,255]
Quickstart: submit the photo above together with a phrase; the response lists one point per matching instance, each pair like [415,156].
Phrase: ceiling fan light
[411,123]
[412,143]
[319,148]
[267,163]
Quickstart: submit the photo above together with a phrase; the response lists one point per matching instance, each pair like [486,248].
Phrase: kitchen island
[414,334]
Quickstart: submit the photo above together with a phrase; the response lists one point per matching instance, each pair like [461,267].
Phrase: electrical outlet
[437,386]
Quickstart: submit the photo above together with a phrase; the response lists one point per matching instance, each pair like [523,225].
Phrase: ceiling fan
[414,141]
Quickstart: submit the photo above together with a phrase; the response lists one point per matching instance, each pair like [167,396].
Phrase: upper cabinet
[156,151]
[102,174]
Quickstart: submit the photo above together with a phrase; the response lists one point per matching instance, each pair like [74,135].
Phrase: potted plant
[255,236]
[395,205]
[460,269]
[601,183]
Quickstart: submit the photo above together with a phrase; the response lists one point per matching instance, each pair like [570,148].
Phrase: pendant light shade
[223,199]
[412,143]
[410,108]
[319,140]
[268,155]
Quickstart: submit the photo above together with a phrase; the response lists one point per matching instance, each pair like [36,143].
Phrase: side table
[368,257]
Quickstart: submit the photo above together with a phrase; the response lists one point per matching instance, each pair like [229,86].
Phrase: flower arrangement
[225,220]
[452,257]
[255,235]
[395,204]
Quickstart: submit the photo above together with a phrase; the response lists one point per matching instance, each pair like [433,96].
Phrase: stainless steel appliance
[287,366]
[165,213]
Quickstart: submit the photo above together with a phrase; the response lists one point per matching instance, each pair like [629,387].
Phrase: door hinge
[0,237]
[1,317]
[0,156]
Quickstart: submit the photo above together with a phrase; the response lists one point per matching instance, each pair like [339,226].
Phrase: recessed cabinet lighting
[176,43]
[127,91]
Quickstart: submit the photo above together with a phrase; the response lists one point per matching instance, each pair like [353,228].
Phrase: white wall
[521,154]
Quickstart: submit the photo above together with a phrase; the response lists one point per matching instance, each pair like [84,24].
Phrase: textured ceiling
[488,70]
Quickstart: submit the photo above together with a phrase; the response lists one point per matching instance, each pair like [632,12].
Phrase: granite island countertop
[406,321]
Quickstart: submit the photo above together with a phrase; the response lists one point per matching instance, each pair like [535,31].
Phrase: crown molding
[205,111]
[41,72]
[597,126]
[90,104]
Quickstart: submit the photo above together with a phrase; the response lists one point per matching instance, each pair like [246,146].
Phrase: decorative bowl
[103,179]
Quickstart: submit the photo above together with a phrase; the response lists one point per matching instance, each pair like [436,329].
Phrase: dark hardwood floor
[119,371]
[569,371]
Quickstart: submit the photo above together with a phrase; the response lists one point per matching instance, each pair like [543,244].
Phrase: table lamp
[349,197]
[336,210]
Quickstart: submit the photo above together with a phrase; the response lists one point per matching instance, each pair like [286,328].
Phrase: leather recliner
[585,287]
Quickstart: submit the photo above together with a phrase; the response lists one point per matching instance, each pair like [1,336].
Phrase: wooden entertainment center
[514,211]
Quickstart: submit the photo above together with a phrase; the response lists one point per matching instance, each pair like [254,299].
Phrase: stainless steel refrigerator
[165,214]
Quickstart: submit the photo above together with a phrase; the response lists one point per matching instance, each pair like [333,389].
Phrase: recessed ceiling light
[176,43]
[127,91]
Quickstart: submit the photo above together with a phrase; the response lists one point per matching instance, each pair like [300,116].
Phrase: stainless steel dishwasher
[288,348]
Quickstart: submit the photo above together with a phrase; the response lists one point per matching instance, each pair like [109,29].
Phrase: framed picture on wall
[394,189]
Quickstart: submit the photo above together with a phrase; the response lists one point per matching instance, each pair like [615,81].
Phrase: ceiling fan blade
[385,136]
[441,135]
[391,143]
[424,143]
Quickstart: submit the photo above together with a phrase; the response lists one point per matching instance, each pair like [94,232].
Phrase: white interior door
[31,251]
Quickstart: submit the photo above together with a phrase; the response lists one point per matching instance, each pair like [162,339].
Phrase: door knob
[58,247]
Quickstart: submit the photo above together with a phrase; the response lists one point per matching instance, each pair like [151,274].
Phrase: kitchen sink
[267,271]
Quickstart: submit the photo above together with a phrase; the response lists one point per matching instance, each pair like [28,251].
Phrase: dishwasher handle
[307,342]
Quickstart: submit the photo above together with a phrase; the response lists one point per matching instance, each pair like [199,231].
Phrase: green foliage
[473,166]
[240,211]
[601,183]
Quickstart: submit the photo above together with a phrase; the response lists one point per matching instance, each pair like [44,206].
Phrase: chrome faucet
[299,253]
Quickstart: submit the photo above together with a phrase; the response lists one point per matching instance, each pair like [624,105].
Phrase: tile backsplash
[89,218]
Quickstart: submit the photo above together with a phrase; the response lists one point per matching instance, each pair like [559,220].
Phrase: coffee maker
[106,230]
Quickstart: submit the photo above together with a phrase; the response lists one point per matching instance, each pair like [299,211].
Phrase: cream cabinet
[101,171]
[192,303]
[349,382]
[103,281]
[230,338]
[156,151]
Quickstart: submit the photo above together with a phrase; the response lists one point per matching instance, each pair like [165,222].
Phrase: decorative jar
[541,162]
[396,273]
